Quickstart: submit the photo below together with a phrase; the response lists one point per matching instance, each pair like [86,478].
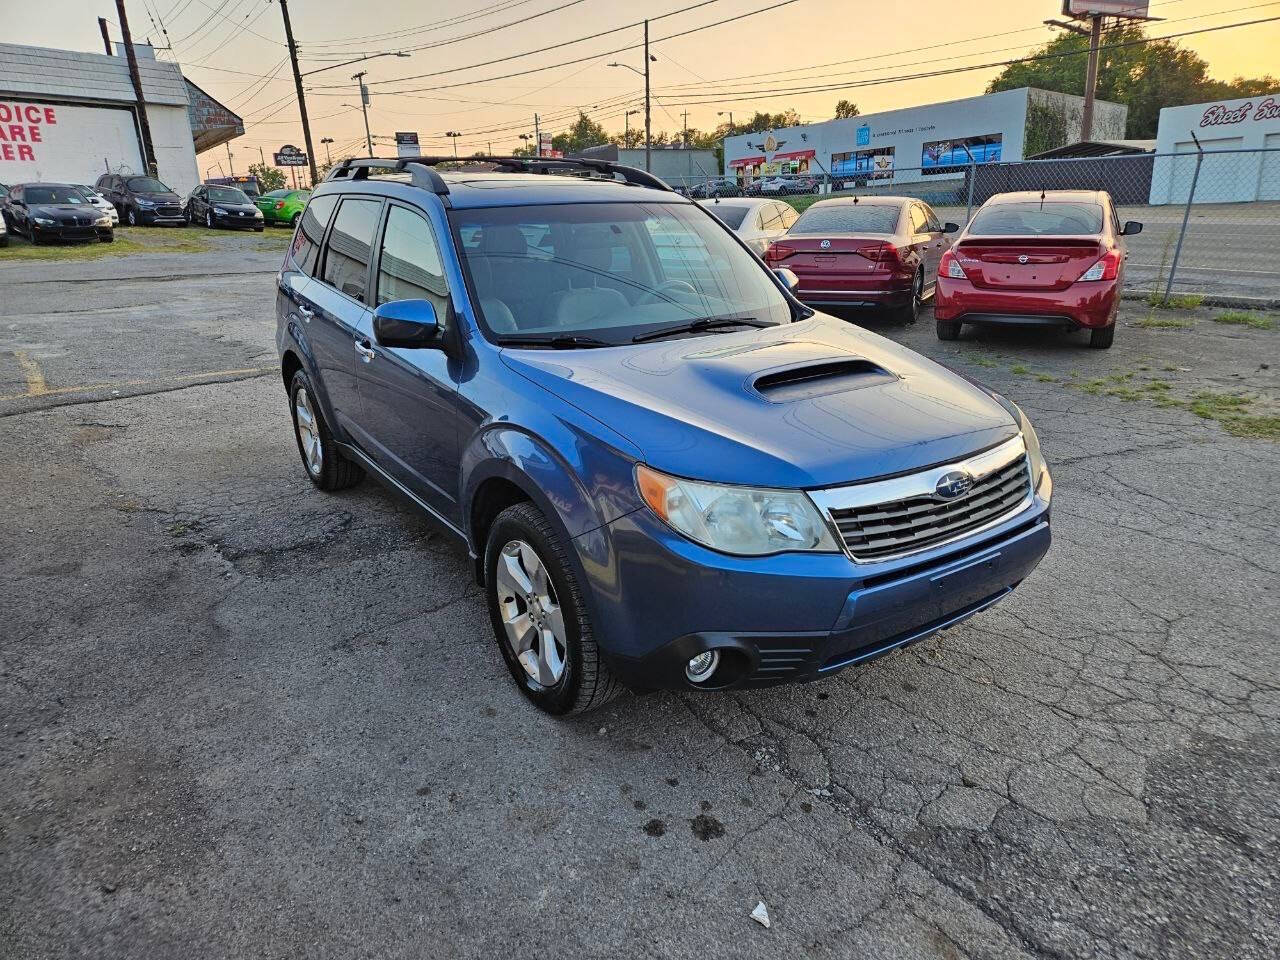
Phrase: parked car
[756,222]
[1053,258]
[55,211]
[789,185]
[141,200]
[721,187]
[216,206]
[865,252]
[4,231]
[100,202]
[670,473]
[283,206]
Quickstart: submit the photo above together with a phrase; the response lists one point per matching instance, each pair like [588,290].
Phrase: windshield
[847,218]
[53,195]
[609,271]
[147,185]
[732,216]
[227,195]
[1037,218]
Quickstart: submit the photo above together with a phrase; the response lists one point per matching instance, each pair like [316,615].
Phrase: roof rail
[421,169]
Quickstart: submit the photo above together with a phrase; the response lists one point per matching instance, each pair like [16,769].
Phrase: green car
[283,206]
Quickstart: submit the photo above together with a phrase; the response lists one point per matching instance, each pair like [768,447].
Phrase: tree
[1145,76]
[269,178]
[584,133]
[846,109]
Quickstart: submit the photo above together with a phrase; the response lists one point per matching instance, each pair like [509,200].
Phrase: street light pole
[626,129]
[297,82]
[1091,80]
[364,108]
[648,130]
[454,135]
[326,141]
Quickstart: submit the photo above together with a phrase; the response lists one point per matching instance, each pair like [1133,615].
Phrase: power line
[425,28]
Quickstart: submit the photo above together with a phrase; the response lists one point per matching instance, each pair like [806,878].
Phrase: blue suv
[668,471]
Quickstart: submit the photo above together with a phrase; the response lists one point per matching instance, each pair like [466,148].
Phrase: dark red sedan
[1051,258]
[864,252]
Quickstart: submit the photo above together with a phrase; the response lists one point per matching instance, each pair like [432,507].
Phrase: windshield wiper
[560,341]
[697,326]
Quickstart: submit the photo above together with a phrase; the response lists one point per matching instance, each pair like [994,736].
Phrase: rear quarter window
[305,252]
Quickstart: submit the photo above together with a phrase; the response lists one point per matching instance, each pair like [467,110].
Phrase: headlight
[142,202]
[44,221]
[220,211]
[747,521]
[1039,469]
[257,214]
[104,221]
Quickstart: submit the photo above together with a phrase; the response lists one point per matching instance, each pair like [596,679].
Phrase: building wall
[1246,124]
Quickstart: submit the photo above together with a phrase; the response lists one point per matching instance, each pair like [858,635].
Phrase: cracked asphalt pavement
[242,718]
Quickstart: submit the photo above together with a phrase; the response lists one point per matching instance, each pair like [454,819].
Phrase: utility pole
[537,137]
[229,163]
[149,161]
[685,116]
[262,157]
[297,82]
[106,37]
[364,108]
[1091,80]
[648,128]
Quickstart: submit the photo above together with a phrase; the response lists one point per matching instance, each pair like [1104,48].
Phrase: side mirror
[406,323]
[1131,228]
[950,227]
[789,279]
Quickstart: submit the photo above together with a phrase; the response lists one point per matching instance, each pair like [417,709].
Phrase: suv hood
[812,404]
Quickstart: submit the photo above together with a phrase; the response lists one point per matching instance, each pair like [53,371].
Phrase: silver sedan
[757,221]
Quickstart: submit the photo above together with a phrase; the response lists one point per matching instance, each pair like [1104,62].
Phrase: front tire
[208,219]
[1103,337]
[132,217]
[539,616]
[326,467]
[948,329]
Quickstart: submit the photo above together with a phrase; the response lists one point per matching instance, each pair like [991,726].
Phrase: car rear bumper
[791,617]
[1090,305]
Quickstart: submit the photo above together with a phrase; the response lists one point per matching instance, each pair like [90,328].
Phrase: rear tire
[325,465]
[585,681]
[948,329]
[1102,338]
[910,311]
[294,222]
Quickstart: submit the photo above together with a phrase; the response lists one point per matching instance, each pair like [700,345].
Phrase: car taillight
[778,252]
[279,204]
[949,266]
[1105,269]
[885,253]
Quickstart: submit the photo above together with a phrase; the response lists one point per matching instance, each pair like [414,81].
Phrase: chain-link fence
[1211,220]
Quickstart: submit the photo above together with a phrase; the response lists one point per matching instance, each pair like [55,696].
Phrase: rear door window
[306,242]
[350,247]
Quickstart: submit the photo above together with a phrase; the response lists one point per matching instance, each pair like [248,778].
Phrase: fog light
[701,667]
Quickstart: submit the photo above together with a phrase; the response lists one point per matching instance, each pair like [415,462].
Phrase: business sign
[864,135]
[22,129]
[290,156]
[407,144]
[66,144]
[1220,114]
[1110,8]
[544,144]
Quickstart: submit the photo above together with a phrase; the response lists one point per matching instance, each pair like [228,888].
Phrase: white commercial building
[1234,134]
[69,117]
[918,143]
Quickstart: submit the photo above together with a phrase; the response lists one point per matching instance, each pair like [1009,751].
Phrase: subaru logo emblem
[954,484]
[1024,259]
[825,244]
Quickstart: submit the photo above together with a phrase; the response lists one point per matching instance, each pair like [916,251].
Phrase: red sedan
[864,252]
[1052,258]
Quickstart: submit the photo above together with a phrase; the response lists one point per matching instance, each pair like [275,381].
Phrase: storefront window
[952,156]
[871,164]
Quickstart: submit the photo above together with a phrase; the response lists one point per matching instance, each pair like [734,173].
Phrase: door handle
[364,347]
[307,315]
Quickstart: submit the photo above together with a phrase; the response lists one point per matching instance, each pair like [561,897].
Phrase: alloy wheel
[308,429]
[531,614]
[208,219]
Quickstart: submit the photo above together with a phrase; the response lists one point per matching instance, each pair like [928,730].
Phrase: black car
[141,200]
[55,211]
[219,206]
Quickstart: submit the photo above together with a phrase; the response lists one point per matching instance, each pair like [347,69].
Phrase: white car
[100,202]
[4,232]
[757,221]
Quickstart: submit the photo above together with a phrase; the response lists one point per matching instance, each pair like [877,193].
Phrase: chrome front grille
[891,518]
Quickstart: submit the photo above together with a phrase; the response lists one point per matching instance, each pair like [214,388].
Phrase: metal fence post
[1186,217]
[973,182]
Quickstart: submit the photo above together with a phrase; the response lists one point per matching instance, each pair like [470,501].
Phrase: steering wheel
[672,286]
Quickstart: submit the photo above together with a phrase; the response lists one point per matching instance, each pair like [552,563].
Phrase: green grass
[1184,301]
[1232,411]
[983,361]
[1019,369]
[128,241]
[1046,378]
[1245,318]
[1153,322]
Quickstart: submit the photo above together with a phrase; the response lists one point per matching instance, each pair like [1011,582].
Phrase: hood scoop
[810,380]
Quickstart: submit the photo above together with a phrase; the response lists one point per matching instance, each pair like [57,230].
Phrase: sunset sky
[235,50]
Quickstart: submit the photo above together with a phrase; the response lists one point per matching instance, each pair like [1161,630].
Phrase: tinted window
[346,260]
[1037,218]
[409,266]
[731,217]
[847,218]
[306,242]
[35,195]
[147,185]
[919,222]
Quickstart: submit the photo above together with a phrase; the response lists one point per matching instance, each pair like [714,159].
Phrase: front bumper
[64,231]
[160,216]
[1089,305]
[791,617]
[249,222]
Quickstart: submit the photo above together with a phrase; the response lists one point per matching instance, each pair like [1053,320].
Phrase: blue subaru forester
[669,472]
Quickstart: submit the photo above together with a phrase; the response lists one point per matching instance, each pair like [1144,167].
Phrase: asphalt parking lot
[242,718]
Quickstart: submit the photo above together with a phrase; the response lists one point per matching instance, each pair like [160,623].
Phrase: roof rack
[424,175]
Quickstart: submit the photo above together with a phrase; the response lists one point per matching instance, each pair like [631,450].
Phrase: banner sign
[1110,8]
[22,129]
[290,156]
